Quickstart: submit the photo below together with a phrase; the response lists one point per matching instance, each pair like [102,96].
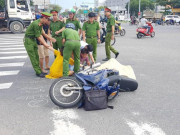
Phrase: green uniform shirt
[56,26]
[110,23]
[75,22]
[34,30]
[91,28]
[70,34]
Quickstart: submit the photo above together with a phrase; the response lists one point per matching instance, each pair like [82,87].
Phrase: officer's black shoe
[106,59]
[116,55]
[44,73]
[41,75]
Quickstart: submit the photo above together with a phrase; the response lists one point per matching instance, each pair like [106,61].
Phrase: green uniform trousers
[32,51]
[93,42]
[108,46]
[58,44]
[69,47]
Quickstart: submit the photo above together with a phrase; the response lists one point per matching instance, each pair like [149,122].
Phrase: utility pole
[139,14]
[44,5]
[128,9]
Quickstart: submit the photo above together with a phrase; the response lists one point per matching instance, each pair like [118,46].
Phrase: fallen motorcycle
[67,92]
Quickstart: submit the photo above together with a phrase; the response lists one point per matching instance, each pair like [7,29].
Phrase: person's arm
[42,41]
[112,37]
[98,33]
[80,31]
[63,37]
[49,33]
[48,37]
[91,57]
[83,34]
[61,30]
[51,48]
[63,40]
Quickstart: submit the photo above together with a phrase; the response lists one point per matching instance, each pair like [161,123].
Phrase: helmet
[70,25]
[72,11]
[91,14]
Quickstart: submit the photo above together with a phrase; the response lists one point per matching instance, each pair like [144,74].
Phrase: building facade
[41,4]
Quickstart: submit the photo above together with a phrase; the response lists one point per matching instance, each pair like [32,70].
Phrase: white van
[176,18]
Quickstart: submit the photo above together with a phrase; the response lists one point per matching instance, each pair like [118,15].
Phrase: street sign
[85,11]
[84,6]
[139,13]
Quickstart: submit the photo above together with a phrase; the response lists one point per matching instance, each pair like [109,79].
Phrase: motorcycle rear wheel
[122,32]
[61,96]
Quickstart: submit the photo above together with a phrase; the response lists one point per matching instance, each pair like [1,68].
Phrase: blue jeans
[147,27]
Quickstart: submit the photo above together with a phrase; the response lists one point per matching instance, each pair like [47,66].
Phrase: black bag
[95,100]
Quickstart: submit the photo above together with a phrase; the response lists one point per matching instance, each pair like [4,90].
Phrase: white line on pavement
[19,64]
[4,49]
[1,46]
[5,85]
[4,73]
[16,43]
[13,57]
[145,128]
[15,52]
[63,124]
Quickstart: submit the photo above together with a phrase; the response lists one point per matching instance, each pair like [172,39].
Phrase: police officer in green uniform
[90,31]
[110,35]
[74,20]
[72,45]
[56,28]
[35,31]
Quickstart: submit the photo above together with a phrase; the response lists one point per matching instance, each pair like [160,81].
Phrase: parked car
[176,18]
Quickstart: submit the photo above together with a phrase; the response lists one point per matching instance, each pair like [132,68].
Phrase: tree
[134,6]
[55,7]
[172,3]
[31,3]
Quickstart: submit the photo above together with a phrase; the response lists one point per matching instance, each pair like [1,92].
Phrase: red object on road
[141,31]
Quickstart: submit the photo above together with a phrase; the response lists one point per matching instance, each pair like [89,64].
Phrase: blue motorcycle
[67,92]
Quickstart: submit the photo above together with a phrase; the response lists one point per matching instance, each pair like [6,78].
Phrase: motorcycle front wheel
[66,92]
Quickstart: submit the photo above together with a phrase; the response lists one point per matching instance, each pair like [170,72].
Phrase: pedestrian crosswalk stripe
[20,48]
[19,64]
[5,73]
[18,52]
[13,43]
[5,85]
[1,46]
[13,57]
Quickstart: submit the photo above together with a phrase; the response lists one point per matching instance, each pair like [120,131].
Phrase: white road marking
[5,49]
[5,85]
[12,43]
[63,125]
[2,46]
[14,52]
[145,128]
[19,64]
[5,73]
[13,57]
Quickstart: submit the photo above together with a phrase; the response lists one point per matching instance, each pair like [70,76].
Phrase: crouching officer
[72,45]
[110,35]
[35,31]
[56,28]
[91,30]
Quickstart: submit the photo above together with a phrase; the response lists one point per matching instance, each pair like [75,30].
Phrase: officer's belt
[92,37]
[72,40]
[31,37]
[57,36]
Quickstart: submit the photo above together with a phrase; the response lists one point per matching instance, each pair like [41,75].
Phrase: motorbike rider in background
[144,23]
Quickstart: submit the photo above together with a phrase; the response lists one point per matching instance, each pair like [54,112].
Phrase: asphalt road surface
[154,109]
